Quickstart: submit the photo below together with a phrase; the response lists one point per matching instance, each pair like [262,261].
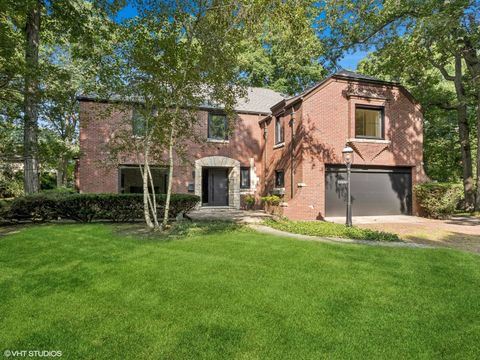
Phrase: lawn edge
[276,232]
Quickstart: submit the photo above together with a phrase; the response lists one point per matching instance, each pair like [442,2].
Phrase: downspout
[292,150]
[265,133]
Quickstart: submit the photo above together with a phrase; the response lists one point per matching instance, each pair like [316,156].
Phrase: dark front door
[375,191]
[215,186]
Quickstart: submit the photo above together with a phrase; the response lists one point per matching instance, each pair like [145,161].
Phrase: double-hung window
[139,125]
[279,131]
[245,178]
[217,127]
[279,179]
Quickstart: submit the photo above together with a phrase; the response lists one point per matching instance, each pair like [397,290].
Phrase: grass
[210,291]
[467,213]
[328,229]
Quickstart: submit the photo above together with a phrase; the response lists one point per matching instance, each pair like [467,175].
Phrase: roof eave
[371,81]
[204,108]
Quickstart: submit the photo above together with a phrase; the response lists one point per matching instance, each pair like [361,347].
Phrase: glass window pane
[279,131]
[138,123]
[217,127]
[279,179]
[131,180]
[368,122]
[245,178]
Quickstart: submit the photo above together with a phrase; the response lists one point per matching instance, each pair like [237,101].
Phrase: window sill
[247,191]
[278,191]
[278,146]
[374,141]
[217,141]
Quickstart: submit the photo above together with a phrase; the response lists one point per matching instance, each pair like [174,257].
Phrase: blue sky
[349,61]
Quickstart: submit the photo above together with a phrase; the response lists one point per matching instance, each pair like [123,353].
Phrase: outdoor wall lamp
[347,155]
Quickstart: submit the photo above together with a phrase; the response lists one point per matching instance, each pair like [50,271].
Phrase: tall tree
[30,108]
[39,22]
[285,52]
[469,39]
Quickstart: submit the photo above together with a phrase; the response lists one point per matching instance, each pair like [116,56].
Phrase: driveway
[460,232]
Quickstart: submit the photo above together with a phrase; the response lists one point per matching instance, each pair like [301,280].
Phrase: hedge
[89,207]
[438,200]
[273,200]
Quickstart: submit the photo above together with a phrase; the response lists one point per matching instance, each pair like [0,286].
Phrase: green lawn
[101,292]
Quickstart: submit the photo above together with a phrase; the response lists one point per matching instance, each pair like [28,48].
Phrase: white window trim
[218,141]
[374,141]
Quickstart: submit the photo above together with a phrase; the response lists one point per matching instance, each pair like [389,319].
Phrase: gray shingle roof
[258,100]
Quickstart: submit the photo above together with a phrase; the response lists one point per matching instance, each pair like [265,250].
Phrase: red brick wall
[326,123]
[100,121]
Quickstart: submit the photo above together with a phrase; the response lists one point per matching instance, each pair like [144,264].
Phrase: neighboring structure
[287,146]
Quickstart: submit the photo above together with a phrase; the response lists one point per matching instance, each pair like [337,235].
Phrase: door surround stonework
[233,176]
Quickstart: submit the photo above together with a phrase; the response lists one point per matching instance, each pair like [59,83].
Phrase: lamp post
[347,154]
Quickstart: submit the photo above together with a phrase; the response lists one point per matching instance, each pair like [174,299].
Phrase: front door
[215,188]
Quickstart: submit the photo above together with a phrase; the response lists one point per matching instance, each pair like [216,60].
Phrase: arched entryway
[217,181]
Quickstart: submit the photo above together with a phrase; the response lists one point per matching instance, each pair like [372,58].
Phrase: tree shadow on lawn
[450,239]
[178,230]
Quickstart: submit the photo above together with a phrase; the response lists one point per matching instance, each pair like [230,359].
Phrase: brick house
[286,146]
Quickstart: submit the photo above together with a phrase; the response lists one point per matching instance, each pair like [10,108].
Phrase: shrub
[4,208]
[35,207]
[249,201]
[323,228]
[273,200]
[59,191]
[11,182]
[438,200]
[48,180]
[88,207]
[84,207]
[179,203]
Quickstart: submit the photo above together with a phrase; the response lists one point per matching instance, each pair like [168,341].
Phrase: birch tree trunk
[146,197]
[152,200]
[30,126]
[170,178]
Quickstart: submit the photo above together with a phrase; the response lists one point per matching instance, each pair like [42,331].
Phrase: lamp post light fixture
[347,155]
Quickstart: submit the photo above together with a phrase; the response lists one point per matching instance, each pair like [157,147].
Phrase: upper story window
[369,122]
[245,178]
[139,125]
[279,131]
[217,127]
[279,179]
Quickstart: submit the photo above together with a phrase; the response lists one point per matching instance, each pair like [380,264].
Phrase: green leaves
[284,53]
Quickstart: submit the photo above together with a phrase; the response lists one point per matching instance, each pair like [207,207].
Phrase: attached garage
[375,191]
